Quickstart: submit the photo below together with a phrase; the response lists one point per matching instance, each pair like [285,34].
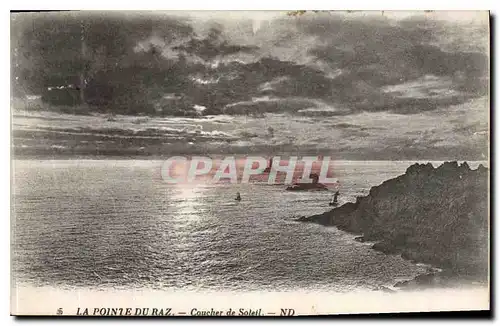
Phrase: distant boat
[238,196]
[334,201]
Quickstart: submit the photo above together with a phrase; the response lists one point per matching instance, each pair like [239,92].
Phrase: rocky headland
[436,216]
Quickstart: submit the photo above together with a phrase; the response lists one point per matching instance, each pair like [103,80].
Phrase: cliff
[437,216]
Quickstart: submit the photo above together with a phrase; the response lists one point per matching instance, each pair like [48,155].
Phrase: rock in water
[431,215]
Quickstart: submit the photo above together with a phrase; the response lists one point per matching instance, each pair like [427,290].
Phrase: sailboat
[334,201]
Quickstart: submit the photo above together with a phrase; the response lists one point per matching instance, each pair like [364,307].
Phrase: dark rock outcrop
[438,216]
[308,186]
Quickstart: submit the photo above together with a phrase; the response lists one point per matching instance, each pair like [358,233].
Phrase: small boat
[238,196]
[334,201]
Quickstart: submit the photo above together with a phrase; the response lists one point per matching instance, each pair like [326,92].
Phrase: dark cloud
[373,53]
[212,46]
[345,62]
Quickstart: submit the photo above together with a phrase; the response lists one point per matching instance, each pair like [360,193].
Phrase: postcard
[249,163]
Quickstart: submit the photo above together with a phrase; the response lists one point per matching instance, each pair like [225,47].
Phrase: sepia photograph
[249,163]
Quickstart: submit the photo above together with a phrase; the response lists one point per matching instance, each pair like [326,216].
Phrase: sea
[115,224]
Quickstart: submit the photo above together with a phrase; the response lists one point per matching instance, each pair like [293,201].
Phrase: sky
[400,85]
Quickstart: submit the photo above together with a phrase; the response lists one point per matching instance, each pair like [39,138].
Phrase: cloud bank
[336,79]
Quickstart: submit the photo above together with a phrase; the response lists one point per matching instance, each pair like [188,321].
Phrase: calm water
[104,223]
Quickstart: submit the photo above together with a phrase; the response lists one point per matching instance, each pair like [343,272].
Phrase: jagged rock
[307,187]
[302,219]
[437,216]
[384,289]
[428,280]
[386,247]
